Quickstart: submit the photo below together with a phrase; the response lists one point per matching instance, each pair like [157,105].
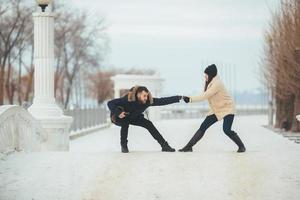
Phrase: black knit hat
[211,70]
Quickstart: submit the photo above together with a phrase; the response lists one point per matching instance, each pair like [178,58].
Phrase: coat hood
[211,70]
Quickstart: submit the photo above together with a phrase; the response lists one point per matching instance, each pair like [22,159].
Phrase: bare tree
[77,49]
[13,21]
[282,67]
[101,86]
[80,46]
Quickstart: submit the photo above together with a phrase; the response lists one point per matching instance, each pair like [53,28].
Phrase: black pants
[227,124]
[142,122]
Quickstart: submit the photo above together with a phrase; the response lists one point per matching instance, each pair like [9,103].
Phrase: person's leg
[209,120]
[124,124]
[227,124]
[147,124]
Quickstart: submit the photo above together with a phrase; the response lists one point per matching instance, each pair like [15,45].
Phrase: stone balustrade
[19,130]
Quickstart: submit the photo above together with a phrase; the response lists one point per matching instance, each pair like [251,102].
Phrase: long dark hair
[211,72]
[207,82]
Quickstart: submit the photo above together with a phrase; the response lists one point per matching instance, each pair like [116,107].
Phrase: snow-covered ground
[94,169]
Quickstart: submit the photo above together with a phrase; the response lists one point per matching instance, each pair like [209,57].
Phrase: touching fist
[186,99]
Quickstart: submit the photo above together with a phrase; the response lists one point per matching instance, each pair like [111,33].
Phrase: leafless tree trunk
[282,67]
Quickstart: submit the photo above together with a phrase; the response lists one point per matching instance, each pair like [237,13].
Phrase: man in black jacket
[128,110]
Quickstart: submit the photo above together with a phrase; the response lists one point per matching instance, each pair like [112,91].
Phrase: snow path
[94,168]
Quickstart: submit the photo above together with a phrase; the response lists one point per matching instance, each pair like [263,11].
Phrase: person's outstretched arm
[207,94]
[166,100]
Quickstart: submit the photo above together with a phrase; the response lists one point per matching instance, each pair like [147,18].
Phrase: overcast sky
[179,37]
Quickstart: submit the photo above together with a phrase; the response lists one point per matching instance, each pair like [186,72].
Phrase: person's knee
[148,124]
[226,129]
[229,132]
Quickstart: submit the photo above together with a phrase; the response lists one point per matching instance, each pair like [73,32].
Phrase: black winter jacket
[135,108]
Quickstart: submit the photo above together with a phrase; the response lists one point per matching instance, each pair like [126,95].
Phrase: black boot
[239,142]
[166,147]
[124,149]
[189,147]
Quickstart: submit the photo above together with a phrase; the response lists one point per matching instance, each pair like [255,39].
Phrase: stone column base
[56,133]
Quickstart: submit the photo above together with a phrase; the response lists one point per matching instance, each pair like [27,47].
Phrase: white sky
[176,37]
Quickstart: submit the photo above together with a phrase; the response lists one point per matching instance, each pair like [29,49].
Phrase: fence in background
[84,118]
[198,111]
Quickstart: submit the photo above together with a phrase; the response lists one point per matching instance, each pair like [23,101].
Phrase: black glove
[186,99]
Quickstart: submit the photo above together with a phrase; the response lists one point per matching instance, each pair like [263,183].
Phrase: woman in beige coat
[221,107]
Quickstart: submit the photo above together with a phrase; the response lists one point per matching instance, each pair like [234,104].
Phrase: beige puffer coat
[220,102]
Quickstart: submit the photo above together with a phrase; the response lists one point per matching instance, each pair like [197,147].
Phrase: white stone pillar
[44,107]
[298,117]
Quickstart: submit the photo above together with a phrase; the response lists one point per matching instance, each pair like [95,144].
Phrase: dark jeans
[142,122]
[227,124]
